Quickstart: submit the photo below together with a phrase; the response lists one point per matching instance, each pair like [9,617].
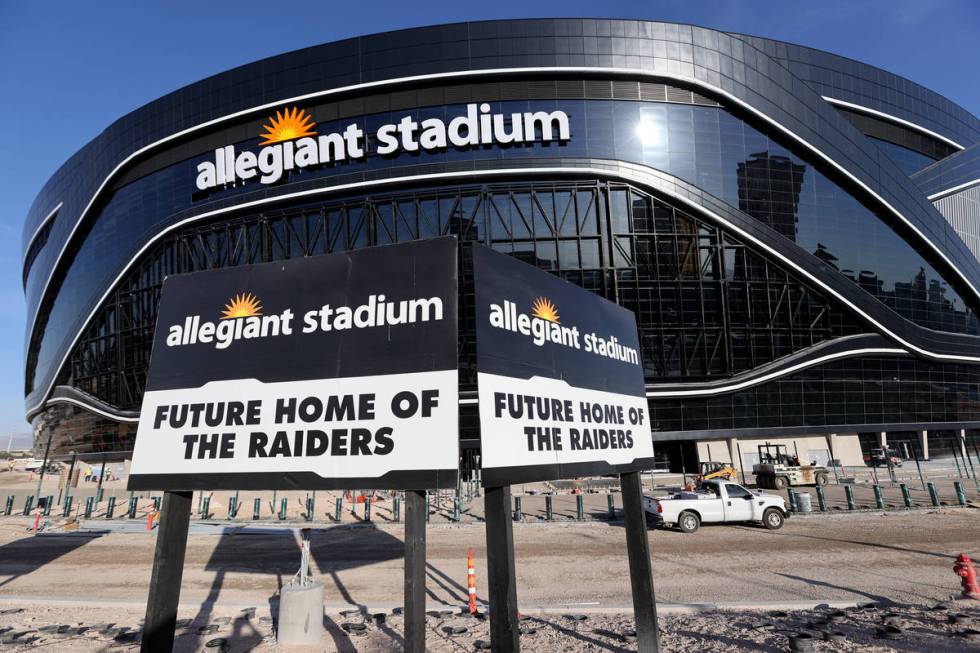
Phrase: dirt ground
[875,629]
[900,561]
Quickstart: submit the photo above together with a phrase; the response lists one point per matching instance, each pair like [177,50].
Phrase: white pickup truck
[717,502]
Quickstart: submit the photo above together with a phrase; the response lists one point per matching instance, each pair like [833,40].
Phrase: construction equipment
[883,457]
[777,469]
[716,470]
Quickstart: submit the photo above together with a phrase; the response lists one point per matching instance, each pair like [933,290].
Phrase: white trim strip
[476,73]
[895,119]
[950,191]
[651,394]
[45,221]
[91,408]
[700,392]
[451,75]
[470,174]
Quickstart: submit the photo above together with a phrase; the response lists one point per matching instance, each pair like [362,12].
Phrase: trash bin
[803,502]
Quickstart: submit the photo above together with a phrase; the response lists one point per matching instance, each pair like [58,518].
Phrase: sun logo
[242,305]
[544,309]
[288,125]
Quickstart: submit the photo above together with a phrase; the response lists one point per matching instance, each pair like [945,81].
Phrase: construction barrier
[157,501]
[933,494]
[879,499]
[232,507]
[906,495]
[9,509]
[397,508]
[849,493]
[960,494]
[98,495]
[471,581]
[89,504]
[579,507]
[518,515]
[791,496]
[37,519]
[133,503]
[111,508]
[48,504]
[611,506]
[256,509]
[150,516]
[66,508]
[367,509]
[310,508]
[427,513]
[282,509]
[821,499]
[548,513]
[28,504]
[338,509]
[456,511]
[205,508]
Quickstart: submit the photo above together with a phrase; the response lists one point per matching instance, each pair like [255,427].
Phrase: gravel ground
[909,628]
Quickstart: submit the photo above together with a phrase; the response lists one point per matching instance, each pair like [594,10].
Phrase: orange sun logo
[288,125]
[242,305]
[544,309]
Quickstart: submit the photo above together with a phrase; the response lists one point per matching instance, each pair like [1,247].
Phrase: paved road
[902,557]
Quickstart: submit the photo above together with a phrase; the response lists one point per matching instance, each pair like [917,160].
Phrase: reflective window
[707,306]
[908,160]
[706,146]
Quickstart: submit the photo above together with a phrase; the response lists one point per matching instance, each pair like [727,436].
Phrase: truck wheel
[688,522]
[772,519]
[780,482]
[821,479]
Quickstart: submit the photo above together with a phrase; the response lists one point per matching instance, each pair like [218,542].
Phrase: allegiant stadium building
[798,233]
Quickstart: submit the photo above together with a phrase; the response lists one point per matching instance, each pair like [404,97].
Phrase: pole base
[301,614]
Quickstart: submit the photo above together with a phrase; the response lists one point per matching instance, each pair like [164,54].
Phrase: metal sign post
[415,571]
[502,582]
[641,570]
[168,568]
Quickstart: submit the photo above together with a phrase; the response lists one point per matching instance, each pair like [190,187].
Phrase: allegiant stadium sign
[291,141]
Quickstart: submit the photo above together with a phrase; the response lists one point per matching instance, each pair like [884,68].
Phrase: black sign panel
[328,372]
[560,377]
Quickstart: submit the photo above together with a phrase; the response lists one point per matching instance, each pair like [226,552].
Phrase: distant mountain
[20,441]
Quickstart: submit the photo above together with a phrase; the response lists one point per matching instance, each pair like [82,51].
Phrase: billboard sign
[561,387]
[327,372]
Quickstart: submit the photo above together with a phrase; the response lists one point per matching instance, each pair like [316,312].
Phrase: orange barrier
[471,581]
[37,519]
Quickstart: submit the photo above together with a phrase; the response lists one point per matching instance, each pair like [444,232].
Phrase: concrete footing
[301,614]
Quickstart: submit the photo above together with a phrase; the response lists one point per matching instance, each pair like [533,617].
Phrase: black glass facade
[836,230]
[706,146]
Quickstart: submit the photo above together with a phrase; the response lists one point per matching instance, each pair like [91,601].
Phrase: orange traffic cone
[471,581]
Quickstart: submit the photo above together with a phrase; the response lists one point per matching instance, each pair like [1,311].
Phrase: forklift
[712,470]
[777,469]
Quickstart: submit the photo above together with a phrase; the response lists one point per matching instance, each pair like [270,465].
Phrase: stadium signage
[561,386]
[310,377]
[291,141]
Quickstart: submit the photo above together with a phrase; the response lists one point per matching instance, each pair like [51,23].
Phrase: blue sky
[70,68]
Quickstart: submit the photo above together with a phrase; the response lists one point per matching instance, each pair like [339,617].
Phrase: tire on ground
[773,519]
[688,521]
[821,479]
[779,482]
